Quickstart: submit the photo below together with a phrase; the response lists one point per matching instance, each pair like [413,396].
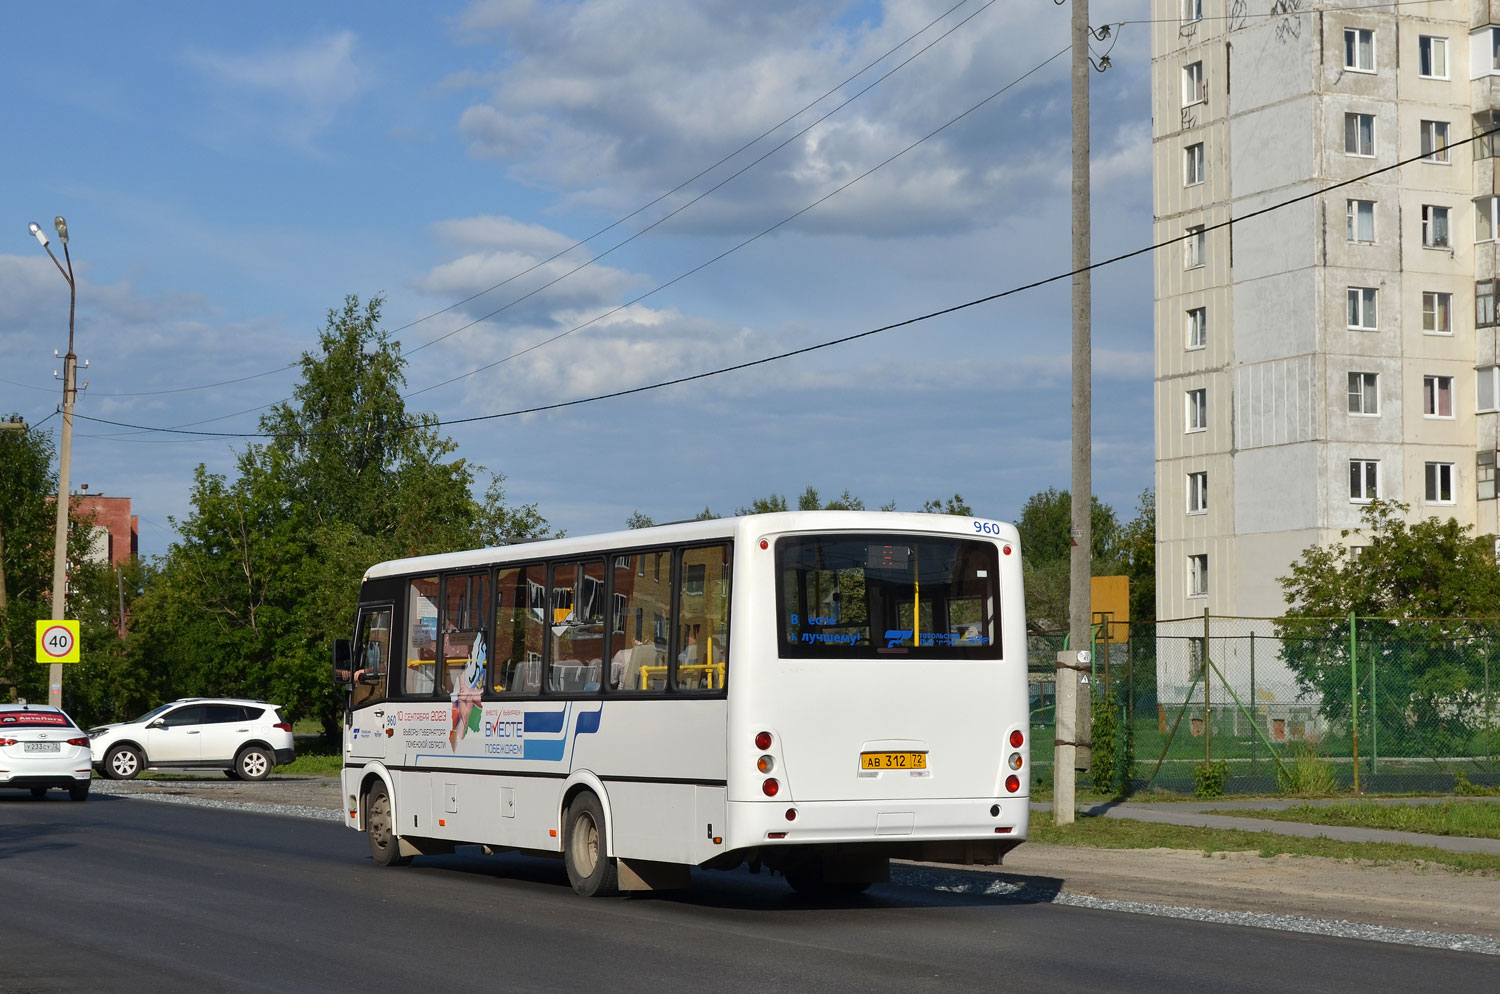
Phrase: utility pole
[1073,662]
[70,394]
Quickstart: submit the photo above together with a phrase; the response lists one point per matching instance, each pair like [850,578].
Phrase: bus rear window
[877,596]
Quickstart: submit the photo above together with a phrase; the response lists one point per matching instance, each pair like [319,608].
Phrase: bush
[1307,772]
[1209,778]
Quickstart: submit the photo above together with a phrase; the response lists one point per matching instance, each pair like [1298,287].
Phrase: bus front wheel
[591,871]
[380,829]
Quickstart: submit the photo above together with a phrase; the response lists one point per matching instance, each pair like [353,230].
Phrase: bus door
[368,701]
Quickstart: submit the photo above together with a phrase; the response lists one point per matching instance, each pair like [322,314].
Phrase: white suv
[245,739]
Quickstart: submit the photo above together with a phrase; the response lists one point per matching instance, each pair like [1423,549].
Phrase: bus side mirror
[342,653]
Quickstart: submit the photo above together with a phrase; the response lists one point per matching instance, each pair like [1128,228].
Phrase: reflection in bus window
[638,629]
[371,656]
[517,654]
[465,599]
[577,601]
[703,619]
[421,640]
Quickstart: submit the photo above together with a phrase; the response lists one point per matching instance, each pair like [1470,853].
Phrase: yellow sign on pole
[1109,600]
[57,642]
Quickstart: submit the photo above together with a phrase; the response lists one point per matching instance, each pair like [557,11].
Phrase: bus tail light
[763,741]
[1015,761]
[1012,783]
[771,788]
[1017,737]
[765,764]
[791,814]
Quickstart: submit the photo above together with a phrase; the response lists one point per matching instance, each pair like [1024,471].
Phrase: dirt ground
[1427,897]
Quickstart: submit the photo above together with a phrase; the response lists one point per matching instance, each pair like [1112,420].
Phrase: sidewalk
[1194,813]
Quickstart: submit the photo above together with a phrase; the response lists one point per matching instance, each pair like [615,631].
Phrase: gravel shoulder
[1420,897]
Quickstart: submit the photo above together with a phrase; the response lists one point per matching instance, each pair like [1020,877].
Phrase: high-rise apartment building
[1340,348]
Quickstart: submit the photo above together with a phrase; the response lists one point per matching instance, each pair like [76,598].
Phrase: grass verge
[1124,833]
[1472,819]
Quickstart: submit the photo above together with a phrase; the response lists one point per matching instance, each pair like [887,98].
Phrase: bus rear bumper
[791,823]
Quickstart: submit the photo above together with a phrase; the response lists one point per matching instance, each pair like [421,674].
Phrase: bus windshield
[874,596]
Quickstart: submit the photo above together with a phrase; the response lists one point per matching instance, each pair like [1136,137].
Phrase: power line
[1164,243]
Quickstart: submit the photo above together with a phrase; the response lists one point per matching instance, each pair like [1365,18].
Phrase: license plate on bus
[893,760]
[42,747]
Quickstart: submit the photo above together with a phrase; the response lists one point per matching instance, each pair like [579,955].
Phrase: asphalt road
[123,896]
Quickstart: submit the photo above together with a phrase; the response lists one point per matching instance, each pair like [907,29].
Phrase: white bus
[812,692]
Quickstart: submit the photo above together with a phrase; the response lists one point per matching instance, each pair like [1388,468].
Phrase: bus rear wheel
[380,829]
[591,871]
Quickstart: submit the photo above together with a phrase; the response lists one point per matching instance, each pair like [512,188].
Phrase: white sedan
[41,747]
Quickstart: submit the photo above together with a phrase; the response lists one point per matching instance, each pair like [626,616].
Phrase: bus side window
[642,602]
[465,603]
[703,620]
[421,639]
[371,656]
[516,660]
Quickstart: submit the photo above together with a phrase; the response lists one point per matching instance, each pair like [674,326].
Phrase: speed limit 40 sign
[57,641]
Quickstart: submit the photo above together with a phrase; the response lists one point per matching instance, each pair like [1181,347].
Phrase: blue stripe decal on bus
[588,722]
[545,721]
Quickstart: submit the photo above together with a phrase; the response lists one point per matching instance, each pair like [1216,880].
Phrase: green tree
[28,530]
[266,568]
[1426,581]
[953,505]
[1046,528]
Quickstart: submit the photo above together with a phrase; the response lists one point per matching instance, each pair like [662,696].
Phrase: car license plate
[893,760]
[42,747]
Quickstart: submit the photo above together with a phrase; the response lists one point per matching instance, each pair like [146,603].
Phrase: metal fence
[1372,703]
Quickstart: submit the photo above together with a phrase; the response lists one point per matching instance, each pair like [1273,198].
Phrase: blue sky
[230,171]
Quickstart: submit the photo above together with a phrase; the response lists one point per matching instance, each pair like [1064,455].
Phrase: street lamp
[70,393]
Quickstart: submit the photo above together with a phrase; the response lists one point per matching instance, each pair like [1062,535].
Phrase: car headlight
[98,733]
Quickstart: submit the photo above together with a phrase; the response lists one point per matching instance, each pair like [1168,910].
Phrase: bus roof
[700,531]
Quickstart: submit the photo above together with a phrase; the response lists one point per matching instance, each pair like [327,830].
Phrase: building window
[1495,49]
[1437,396]
[1432,57]
[1486,216]
[1364,393]
[1198,576]
[1194,91]
[1359,135]
[1435,227]
[1194,247]
[1192,10]
[1364,480]
[1197,410]
[1437,313]
[1485,124]
[1359,50]
[1435,141]
[1197,327]
[1197,493]
[1362,308]
[1487,388]
[1439,483]
[1359,221]
[1484,475]
[1192,165]
[1484,304]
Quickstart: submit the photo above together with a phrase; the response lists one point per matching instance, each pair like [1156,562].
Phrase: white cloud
[294,93]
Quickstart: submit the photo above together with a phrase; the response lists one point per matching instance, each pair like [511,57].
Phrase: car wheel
[591,871]
[122,763]
[80,792]
[38,793]
[380,829]
[253,763]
